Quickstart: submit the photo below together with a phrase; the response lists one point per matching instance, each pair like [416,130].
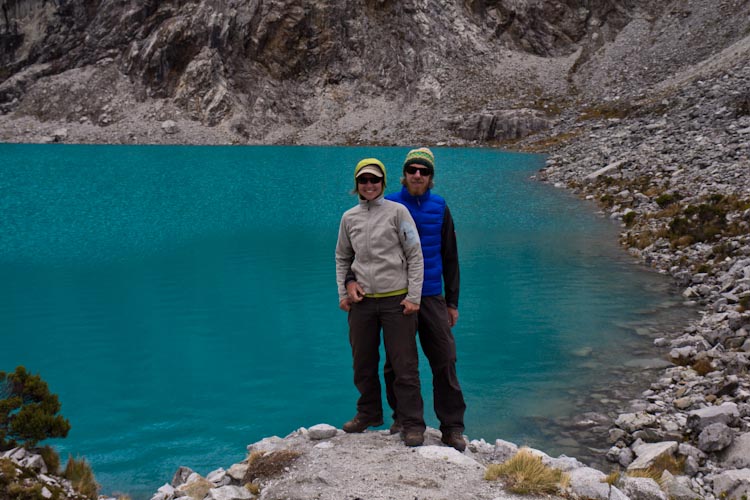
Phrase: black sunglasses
[413,170]
[371,179]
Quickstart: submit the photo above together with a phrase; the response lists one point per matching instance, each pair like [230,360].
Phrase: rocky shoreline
[674,169]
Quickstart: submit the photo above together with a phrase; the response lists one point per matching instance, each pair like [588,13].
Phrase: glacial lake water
[181,301]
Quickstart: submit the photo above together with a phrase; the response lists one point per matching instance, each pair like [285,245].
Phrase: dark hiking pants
[366,319]
[439,347]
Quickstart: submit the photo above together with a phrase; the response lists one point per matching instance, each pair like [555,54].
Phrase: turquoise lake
[181,301]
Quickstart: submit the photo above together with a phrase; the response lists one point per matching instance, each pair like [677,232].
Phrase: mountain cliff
[351,71]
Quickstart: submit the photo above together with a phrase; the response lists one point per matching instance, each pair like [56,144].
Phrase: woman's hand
[409,307]
[355,291]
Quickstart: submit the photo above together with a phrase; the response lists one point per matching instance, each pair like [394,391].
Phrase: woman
[378,240]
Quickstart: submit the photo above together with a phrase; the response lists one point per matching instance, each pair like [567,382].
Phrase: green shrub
[81,477]
[607,200]
[665,200]
[629,218]
[28,411]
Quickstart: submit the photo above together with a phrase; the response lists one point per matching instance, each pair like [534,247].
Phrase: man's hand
[452,316]
[409,307]
[355,291]
[345,304]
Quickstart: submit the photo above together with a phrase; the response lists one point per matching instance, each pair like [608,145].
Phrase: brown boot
[395,427]
[454,439]
[360,423]
[413,438]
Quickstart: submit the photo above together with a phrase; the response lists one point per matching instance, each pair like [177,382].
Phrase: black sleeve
[449,253]
[350,276]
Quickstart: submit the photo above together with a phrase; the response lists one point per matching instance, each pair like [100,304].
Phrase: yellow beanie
[367,162]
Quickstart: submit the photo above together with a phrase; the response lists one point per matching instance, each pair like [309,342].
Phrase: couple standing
[392,256]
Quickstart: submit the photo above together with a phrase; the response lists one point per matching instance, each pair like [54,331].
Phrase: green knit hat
[369,166]
[421,156]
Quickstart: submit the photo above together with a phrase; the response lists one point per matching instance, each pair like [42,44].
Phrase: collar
[367,204]
[419,199]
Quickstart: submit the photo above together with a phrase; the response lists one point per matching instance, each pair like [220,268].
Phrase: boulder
[504,450]
[586,482]
[197,488]
[726,413]
[732,484]
[648,453]
[181,476]
[504,124]
[641,488]
[737,455]
[229,493]
[59,135]
[321,431]
[632,422]
[677,488]
[169,127]
[238,471]
[715,437]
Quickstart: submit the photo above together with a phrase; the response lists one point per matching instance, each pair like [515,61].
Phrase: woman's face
[369,186]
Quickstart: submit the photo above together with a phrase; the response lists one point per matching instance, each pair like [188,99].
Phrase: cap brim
[371,169]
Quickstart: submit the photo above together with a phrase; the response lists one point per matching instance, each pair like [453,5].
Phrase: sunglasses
[369,179]
[413,170]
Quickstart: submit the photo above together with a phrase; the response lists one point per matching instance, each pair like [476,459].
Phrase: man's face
[417,179]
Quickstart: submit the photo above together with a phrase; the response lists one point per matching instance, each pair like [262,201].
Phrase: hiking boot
[360,423]
[413,438]
[454,439]
[395,427]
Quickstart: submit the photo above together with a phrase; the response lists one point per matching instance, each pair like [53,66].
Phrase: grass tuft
[79,472]
[649,473]
[51,459]
[525,473]
[612,478]
[675,466]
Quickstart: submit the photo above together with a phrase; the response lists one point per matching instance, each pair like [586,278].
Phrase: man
[437,314]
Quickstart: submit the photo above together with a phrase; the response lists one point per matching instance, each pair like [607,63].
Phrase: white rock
[229,493]
[268,444]
[167,489]
[642,488]
[732,484]
[588,483]
[737,456]
[217,475]
[448,454]
[648,452]
[321,431]
[237,471]
[169,127]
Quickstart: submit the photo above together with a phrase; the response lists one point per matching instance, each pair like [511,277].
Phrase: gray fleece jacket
[379,241]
